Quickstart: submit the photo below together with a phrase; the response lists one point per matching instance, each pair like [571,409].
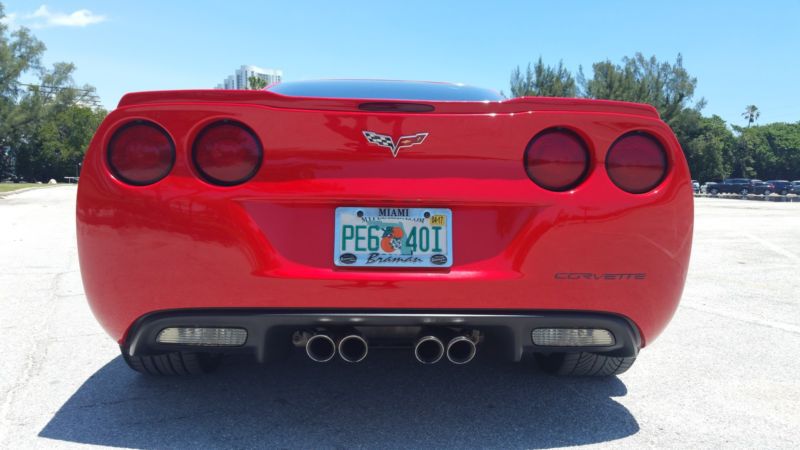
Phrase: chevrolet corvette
[330,218]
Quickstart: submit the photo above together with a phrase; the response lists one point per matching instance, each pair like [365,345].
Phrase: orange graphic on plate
[392,239]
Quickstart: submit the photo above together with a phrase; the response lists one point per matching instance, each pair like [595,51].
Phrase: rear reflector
[140,153]
[636,163]
[227,153]
[557,160]
[220,337]
[572,337]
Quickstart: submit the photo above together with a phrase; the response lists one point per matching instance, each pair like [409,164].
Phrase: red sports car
[343,215]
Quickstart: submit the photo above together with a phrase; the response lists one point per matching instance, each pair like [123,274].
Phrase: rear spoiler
[275,100]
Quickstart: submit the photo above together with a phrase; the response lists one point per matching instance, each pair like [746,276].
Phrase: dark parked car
[731,186]
[696,186]
[762,187]
[782,187]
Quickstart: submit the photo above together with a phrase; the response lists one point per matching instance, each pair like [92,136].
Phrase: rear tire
[584,364]
[173,364]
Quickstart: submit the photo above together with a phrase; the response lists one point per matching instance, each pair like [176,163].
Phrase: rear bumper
[269,332]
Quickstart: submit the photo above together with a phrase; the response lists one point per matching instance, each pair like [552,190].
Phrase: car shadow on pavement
[387,401]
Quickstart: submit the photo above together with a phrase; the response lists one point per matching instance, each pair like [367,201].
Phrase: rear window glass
[386,90]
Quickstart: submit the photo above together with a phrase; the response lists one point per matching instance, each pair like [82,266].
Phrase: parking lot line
[773,247]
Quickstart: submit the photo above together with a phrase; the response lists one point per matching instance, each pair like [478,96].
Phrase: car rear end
[252,221]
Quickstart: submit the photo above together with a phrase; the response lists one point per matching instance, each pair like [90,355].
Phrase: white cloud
[43,17]
[8,20]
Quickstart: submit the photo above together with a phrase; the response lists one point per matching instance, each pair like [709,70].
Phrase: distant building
[239,80]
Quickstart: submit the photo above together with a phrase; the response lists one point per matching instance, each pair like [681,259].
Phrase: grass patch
[9,187]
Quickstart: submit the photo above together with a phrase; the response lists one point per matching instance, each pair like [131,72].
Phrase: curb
[20,191]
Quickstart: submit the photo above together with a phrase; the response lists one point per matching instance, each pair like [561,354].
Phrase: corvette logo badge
[387,141]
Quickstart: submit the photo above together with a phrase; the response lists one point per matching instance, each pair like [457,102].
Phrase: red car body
[265,245]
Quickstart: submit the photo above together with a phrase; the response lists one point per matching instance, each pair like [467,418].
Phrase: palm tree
[751,114]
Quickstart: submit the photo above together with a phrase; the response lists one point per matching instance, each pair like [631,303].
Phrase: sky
[741,52]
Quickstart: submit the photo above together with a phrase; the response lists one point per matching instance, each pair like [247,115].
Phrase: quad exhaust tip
[429,349]
[460,350]
[320,348]
[353,348]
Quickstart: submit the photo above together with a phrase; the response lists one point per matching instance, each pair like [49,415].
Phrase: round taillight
[557,159]
[227,153]
[140,153]
[636,163]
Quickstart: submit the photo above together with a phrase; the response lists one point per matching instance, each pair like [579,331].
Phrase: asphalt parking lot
[726,373]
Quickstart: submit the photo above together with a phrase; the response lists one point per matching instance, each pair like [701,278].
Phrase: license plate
[393,237]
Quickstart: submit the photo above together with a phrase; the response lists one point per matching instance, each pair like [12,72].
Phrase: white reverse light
[572,337]
[221,337]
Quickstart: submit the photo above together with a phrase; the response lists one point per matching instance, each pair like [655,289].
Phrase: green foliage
[707,144]
[771,151]
[19,53]
[46,126]
[256,83]
[668,87]
[543,81]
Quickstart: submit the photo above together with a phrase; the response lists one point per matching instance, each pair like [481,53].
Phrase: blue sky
[741,52]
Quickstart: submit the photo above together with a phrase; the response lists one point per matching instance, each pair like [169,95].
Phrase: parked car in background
[704,188]
[795,189]
[732,186]
[696,186]
[762,187]
[782,187]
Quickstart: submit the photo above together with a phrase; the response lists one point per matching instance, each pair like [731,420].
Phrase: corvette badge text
[599,276]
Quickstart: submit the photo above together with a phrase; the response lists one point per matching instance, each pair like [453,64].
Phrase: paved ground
[725,373]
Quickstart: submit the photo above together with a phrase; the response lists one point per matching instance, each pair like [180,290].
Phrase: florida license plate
[393,237]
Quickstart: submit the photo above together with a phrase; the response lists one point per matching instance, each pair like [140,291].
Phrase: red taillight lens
[140,153]
[227,153]
[557,160]
[636,163]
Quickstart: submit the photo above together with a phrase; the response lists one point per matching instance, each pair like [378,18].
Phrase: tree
[707,144]
[256,83]
[543,81]
[772,151]
[751,113]
[53,124]
[784,144]
[20,53]
[46,125]
[668,87]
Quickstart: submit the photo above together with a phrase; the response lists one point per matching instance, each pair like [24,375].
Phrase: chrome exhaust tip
[429,349]
[353,348]
[320,348]
[460,350]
